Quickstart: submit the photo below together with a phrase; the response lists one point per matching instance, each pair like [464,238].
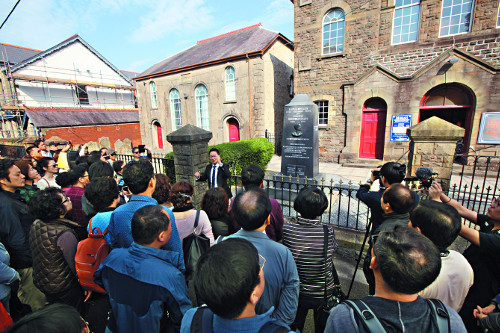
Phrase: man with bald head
[252,211]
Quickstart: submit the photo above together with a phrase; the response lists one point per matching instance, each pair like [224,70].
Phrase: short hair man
[404,262]
[140,178]
[396,203]
[143,282]
[231,280]
[441,224]
[217,173]
[96,170]
[136,153]
[40,143]
[251,209]
[252,176]
[15,223]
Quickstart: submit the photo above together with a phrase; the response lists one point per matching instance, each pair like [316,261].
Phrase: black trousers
[320,317]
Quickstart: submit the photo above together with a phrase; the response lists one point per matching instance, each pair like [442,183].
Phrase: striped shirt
[305,239]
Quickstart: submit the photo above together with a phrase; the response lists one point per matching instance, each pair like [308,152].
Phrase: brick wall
[82,134]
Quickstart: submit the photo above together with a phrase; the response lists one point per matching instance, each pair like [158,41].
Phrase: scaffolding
[93,90]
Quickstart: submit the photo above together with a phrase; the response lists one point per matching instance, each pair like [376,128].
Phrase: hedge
[244,152]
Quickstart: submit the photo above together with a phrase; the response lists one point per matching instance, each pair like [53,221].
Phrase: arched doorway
[159,136]
[453,103]
[233,129]
[373,128]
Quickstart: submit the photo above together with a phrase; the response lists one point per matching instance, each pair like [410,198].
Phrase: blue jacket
[280,273]
[120,231]
[221,325]
[143,283]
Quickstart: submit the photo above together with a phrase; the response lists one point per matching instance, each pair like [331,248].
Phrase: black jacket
[223,174]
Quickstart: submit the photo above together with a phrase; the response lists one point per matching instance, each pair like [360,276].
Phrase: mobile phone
[142,148]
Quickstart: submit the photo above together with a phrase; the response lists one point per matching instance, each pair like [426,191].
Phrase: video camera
[424,175]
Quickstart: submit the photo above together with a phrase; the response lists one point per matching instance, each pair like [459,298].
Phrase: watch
[369,181]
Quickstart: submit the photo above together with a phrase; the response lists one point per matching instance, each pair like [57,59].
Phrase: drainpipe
[249,98]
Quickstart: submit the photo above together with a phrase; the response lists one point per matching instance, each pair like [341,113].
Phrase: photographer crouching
[483,255]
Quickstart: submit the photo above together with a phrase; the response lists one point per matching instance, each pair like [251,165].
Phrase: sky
[135,34]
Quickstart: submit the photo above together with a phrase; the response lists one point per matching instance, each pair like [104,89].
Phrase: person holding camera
[482,253]
[390,173]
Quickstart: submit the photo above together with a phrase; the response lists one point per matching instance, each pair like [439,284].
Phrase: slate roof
[129,74]
[237,43]
[49,118]
[15,54]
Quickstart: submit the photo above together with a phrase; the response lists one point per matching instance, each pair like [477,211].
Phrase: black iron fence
[344,210]
[476,182]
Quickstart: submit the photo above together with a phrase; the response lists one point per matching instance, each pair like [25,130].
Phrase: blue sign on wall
[399,124]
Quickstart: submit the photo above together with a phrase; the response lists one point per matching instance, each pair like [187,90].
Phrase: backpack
[203,321]
[370,321]
[89,255]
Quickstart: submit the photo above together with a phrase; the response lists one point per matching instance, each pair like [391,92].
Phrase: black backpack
[370,321]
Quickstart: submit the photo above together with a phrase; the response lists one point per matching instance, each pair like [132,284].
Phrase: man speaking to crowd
[217,173]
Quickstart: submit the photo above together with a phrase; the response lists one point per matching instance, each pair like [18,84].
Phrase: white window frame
[175,109]
[154,99]
[201,100]
[458,33]
[320,107]
[323,32]
[498,16]
[230,80]
[396,8]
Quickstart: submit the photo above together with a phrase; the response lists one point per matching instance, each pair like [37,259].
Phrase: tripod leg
[367,233]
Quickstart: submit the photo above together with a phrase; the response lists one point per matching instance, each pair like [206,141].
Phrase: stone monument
[300,152]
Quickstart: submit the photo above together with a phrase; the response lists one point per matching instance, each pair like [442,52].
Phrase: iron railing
[344,210]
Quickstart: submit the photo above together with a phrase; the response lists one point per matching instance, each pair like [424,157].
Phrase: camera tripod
[367,233]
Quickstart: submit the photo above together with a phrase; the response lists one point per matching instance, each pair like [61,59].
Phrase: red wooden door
[160,137]
[372,134]
[234,130]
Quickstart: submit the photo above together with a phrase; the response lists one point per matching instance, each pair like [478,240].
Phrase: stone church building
[235,85]
[375,67]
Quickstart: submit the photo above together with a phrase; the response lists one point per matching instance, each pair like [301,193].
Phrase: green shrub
[244,152]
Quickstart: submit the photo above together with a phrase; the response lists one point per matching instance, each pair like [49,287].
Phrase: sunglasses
[66,199]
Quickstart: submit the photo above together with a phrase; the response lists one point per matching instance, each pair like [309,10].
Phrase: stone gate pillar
[190,145]
[432,145]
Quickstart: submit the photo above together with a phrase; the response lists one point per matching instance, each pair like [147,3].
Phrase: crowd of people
[260,274]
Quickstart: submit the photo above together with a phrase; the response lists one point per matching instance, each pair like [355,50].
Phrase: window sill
[336,55]
[229,102]
[323,127]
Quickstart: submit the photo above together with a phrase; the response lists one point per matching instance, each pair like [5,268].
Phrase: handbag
[194,246]
[337,295]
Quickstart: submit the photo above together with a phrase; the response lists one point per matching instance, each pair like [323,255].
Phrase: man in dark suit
[217,173]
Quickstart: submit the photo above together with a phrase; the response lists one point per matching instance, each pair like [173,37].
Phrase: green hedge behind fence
[241,153]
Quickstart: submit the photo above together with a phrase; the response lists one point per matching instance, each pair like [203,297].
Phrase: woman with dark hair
[162,191]
[53,243]
[31,176]
[215,204]
[306,236]
[48,167]
[185,213]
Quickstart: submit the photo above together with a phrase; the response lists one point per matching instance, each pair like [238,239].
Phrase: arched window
[406,19]
[230,84]
[152,89]
[175,109]
[333,32]
[201,95]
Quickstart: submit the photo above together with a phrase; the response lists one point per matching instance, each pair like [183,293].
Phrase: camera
[425,176]
[376,173]
[142,148]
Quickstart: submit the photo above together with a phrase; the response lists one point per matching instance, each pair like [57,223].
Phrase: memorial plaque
[300,152]
[489,130]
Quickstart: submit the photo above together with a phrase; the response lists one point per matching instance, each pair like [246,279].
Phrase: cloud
[172,17]
[278,15]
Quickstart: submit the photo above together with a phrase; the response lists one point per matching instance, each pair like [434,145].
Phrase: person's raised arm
[436,193]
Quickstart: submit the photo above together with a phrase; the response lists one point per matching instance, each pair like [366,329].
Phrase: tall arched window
[230,84]
[406,19]
[201,95]
[333,32]
[152,89]
[175,109]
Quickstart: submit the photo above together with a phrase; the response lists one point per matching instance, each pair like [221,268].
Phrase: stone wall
[368,33]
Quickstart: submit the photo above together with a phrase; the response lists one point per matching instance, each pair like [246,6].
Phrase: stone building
[235,85]
[373,66]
